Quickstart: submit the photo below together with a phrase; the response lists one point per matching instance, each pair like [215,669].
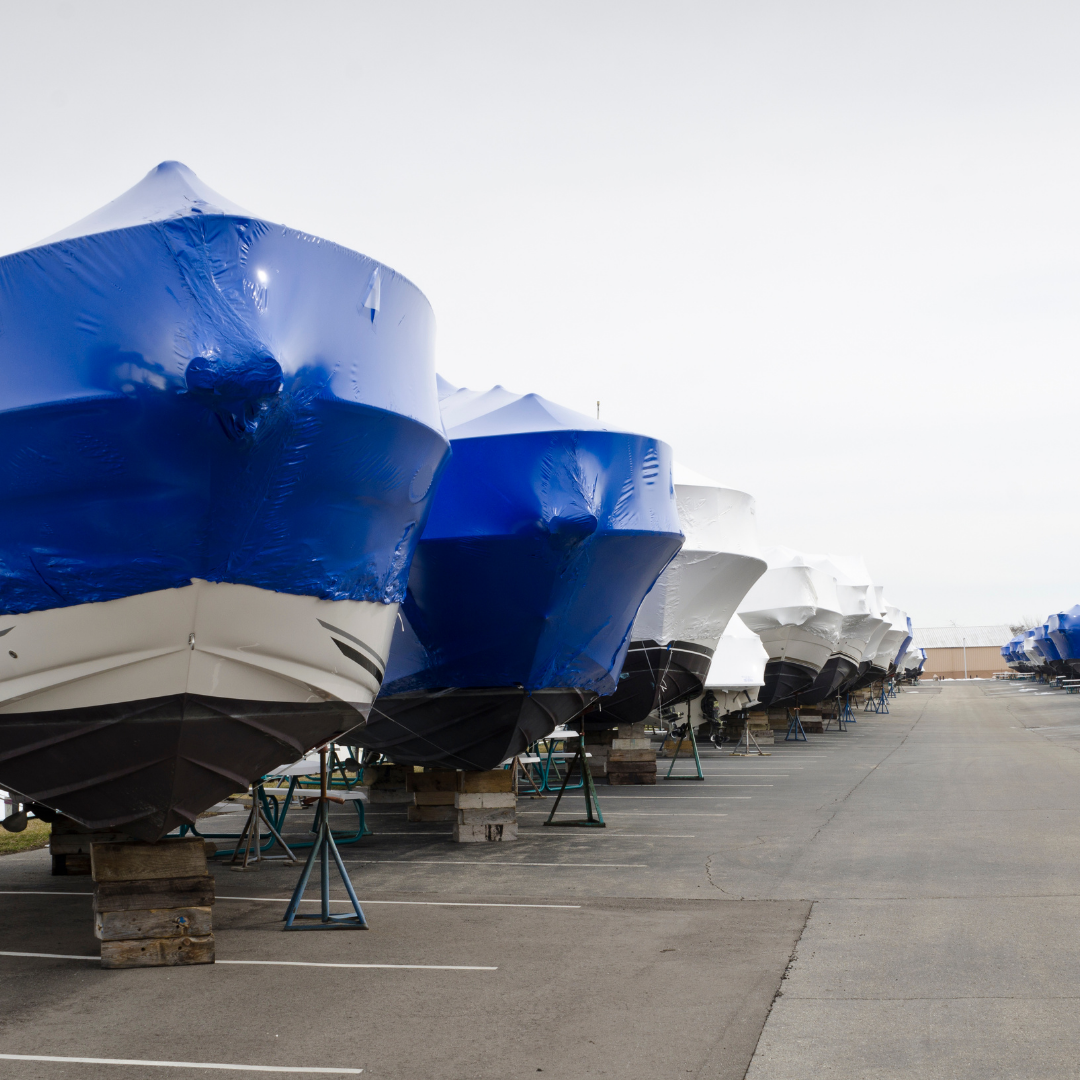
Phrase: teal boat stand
[693,743]
[322,849]
[795,730]
[847,712]
[595,819]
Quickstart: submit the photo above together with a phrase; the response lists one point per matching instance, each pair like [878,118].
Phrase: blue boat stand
[795,730]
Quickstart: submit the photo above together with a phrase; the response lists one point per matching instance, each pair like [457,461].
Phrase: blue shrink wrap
[219,442]
[546,533]
[207,395]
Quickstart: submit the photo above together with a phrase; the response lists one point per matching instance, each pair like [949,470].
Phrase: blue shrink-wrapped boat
[1064,631]
[220,439]
[547,531]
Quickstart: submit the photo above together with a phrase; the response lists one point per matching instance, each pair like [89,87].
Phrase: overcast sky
[827,250]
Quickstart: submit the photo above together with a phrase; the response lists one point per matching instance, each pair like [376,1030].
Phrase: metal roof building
[955,637]
[958,652]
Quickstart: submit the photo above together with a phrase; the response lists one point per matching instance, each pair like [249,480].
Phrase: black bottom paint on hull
[784,679]
[146,767]
[463,728]
[837,671]
[653,675]
[865,677]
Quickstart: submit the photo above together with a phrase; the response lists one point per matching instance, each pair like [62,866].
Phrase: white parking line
[411,903]
[497,862]
[280,963]
[311,963]
[181,1064]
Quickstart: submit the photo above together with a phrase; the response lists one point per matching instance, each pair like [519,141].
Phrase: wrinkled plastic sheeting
[546,533]
[739,660]
[858,601]
[1064,630]
[792,594]
[190,391]
[893,638]
[1045,645]
[721,558]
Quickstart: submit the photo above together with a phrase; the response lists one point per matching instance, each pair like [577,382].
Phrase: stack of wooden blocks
[153,903]
[758,722]
[387,784]
[631,759]
[598,746]
[434,793]
[486,807]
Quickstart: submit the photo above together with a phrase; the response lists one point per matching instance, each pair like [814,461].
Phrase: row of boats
[1050,649]
[243,516]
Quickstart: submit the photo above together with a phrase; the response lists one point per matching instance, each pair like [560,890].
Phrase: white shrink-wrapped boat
[683,616]
[736,674]
[862,617]
[891,642]
[795,611]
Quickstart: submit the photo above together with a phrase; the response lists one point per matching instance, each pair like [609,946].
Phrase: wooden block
[494,780]
[390,796]
[68,837]
[474,834]
[813,727]
[436,798]
[387,775]
[632,731]
[671,746]
[160,952]
[484,800]
[631,744]
[637,777]
[139,862]
[433,780]
[432,813]
[633,766]
[499,815]
[153,923]
[70,864]
[154,893]
[648,754]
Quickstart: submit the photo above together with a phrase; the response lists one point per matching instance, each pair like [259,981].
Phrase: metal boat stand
[689,732]
[517,767]
[840,721]
[795,730]
[846,712]
[322,849]
[247,855]
[595,819]
[746,740]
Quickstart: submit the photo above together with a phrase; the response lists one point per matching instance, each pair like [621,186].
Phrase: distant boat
[547,531]
[220,439]
[684,614]
[795,610]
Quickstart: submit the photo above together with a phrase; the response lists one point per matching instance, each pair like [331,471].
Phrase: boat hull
[784,681]
[146,767]
[467,728]
[837,671]
[143,711]
[654,676]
